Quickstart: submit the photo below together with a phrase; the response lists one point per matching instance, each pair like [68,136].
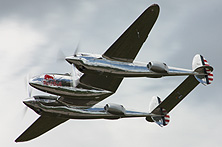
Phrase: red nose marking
[47,77]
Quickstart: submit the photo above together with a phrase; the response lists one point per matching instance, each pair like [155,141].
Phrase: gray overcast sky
[32,32]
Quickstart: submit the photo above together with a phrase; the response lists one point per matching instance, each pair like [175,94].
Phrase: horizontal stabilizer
[39,127]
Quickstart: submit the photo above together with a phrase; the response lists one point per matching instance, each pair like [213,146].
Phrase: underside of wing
[39,127]
[102,81]
[178,94]
[127,46]
[93,81]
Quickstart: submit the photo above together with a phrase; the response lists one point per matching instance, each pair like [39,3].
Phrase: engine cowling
[115,109]
[158,67]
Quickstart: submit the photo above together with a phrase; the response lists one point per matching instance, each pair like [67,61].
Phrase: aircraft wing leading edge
[39,127]
[127,46]
[179,93]
[176,96]
[161,109]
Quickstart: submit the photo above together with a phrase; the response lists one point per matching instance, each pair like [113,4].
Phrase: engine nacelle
[157,67]
[115,109]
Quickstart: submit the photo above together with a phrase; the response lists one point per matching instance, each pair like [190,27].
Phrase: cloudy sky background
[32,32]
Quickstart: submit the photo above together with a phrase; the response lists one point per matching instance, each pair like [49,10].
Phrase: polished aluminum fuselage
[52,107]
[62,86]
[92,63]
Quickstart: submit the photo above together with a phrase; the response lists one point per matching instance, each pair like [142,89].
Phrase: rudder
[160,115]
[201,66]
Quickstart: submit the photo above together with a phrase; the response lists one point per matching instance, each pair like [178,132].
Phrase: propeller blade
[28,87]
[24,111]
[74,75]
[76,50]
[29,91]
[60,56]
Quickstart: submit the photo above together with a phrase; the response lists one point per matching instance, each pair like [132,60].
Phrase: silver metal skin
[50,106]
[61,84]
[99,76]
[93,63]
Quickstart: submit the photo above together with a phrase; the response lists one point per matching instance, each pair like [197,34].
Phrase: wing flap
[39,127]
[127,46]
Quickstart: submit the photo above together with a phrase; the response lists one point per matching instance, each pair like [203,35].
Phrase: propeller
[76,50]
[73,75]
[28,87]
[61,56]
[24,111]
[29,91]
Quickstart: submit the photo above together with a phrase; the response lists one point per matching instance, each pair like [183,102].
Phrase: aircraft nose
[72,59]
[69,59]
[29,102]
[32,83]
[37,80]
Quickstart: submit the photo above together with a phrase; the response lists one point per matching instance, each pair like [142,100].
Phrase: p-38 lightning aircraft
[96,77]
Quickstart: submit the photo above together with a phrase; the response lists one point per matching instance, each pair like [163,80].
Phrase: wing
[39,127]
[91,81]
[103,81]
[127,46]
[178,94]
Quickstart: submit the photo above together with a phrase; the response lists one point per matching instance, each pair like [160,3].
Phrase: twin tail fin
[160,115]
[201,66]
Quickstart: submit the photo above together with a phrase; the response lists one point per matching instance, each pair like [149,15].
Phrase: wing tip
[155,6]
[154,10]
[19,140]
